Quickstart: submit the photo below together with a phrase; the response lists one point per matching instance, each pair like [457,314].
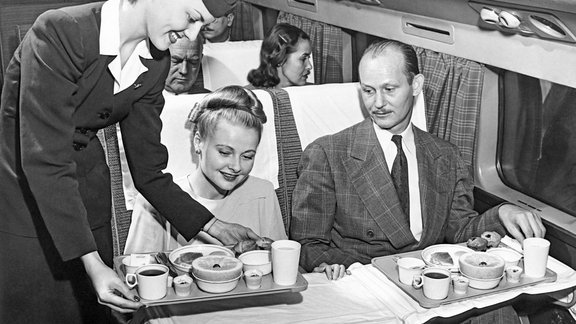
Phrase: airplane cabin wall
[461,36]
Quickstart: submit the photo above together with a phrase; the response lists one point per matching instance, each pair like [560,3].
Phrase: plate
[440,255]
[204,249]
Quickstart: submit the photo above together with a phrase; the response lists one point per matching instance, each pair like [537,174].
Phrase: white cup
[436,282]
[135,261]
[152,281]
[285,259]
[460,284]
[513,274]
[535,256]
[408,268]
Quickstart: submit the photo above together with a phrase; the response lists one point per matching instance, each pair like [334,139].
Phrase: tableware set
[448,283]
[181,284]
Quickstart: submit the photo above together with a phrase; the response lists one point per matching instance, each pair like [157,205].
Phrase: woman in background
[80,69]
[284,59]
[227,130]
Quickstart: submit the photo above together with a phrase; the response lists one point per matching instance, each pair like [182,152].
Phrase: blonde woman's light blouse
[254,204]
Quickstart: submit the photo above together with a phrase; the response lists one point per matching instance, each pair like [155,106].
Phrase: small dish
[253,279]
[483,284]
[182,285]
[511,257]
[257,260]
[513,274]
[217,287]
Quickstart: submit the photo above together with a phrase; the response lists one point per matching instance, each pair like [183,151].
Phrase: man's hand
[110,289]
[333,271]
[231,233]
[521,223]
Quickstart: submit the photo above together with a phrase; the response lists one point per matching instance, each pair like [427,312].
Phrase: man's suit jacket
[346,210]
[57,93]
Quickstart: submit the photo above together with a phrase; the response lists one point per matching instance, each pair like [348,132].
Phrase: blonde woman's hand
[333,271]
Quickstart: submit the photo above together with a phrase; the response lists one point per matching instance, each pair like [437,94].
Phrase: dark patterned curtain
[243,25]
[326,47]
[453,94]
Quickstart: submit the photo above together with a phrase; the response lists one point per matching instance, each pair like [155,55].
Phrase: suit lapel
[368,172]
[428,157]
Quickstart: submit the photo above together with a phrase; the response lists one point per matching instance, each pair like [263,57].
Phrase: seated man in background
[227,130]
[185,64]
[219,30]
[346,206]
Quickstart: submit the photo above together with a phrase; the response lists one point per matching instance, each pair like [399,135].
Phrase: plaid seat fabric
[327,51]
[121,217]
[453,94]
[289,151]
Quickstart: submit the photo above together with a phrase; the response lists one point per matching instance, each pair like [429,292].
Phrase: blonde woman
[227,130]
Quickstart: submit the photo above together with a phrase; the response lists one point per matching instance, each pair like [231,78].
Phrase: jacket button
[104,115]
[78,147]
[370,233]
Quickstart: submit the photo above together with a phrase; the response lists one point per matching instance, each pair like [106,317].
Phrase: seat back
[228,63]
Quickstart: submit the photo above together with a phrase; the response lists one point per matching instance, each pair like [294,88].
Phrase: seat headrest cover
[219,8]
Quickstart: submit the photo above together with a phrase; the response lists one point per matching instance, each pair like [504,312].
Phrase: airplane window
[537,142]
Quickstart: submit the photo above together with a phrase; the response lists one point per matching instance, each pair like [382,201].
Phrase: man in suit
[185,64]
[219,30]
[346,207]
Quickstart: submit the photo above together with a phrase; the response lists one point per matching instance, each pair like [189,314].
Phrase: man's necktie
[400,176]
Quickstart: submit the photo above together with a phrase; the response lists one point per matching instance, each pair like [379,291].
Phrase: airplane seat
[296,116]
[228,63]
[329,108]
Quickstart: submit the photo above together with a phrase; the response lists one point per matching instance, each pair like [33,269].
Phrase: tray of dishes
[445,256]
[180,275]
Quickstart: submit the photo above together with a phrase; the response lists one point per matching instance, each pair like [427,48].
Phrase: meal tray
[268,287]
[387,265]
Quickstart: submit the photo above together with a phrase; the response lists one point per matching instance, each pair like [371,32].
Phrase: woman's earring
[197,151]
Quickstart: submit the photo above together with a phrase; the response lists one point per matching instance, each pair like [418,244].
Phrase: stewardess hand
[231,233]
[110,289]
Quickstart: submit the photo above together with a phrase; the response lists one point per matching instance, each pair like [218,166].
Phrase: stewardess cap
[219,8]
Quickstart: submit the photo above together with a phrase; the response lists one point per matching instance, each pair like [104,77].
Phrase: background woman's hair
[233,103]
[281,42]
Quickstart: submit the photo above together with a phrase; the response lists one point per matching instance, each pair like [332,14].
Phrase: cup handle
[131,280]
[417,282]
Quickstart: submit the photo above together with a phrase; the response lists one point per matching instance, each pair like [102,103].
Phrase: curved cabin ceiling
[537,47]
